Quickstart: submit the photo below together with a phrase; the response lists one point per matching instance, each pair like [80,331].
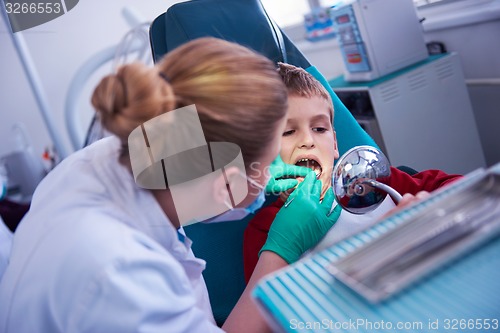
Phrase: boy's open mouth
[311,164]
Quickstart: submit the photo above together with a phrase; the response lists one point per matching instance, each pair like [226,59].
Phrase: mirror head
[358,179]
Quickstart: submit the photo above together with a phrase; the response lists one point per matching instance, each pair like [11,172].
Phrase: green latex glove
[279,169]
[302,221]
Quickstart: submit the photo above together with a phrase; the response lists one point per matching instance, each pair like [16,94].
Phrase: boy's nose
[306,141]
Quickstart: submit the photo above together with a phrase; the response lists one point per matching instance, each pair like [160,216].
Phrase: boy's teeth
[310,163]
[305,160]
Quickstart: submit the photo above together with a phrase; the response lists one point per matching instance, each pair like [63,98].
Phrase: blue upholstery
[244,22]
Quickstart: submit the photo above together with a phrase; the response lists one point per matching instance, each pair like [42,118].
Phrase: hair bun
[132,96]
[110,95]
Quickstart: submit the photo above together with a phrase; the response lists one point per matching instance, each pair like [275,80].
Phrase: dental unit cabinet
[378,37]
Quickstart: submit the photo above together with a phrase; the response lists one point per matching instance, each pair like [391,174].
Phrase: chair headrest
[244,21]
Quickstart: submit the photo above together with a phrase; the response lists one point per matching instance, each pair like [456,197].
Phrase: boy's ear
[335,146]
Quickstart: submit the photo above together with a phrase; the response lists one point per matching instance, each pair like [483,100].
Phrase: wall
[325,55]
[58,48]
[472,29]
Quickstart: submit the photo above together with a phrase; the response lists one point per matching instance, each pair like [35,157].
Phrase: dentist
[98,253]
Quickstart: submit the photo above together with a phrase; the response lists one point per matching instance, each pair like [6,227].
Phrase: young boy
[309,140]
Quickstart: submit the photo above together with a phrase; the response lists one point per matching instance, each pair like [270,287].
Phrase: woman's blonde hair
[239,96]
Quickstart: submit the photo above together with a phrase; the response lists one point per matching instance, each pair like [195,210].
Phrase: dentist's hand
[279,169]
[407,200]
[302,221]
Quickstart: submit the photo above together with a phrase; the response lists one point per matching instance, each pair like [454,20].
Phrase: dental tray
[424,237]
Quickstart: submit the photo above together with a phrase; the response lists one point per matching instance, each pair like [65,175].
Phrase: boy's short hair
[302,84]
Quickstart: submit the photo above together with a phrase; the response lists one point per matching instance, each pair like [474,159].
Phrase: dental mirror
[358,180]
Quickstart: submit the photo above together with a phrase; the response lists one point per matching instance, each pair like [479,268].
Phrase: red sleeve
[256,235]
[428,180]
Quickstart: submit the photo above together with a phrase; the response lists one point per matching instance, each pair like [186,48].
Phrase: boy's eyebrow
[321,117]
[318,117]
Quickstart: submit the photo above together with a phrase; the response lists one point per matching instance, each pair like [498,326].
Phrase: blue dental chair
[247,23]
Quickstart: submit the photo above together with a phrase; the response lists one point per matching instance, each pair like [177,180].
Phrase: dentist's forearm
[245,316]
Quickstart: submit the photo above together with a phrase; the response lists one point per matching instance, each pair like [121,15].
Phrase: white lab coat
[96,254]
[5,243]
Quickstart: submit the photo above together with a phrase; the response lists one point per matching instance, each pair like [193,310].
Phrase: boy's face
[309,139]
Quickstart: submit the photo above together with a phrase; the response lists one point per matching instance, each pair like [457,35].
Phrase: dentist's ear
[228,187]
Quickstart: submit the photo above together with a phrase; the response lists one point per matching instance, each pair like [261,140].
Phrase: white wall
[472,29]
[58,48]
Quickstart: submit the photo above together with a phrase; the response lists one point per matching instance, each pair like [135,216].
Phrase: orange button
[354,58]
